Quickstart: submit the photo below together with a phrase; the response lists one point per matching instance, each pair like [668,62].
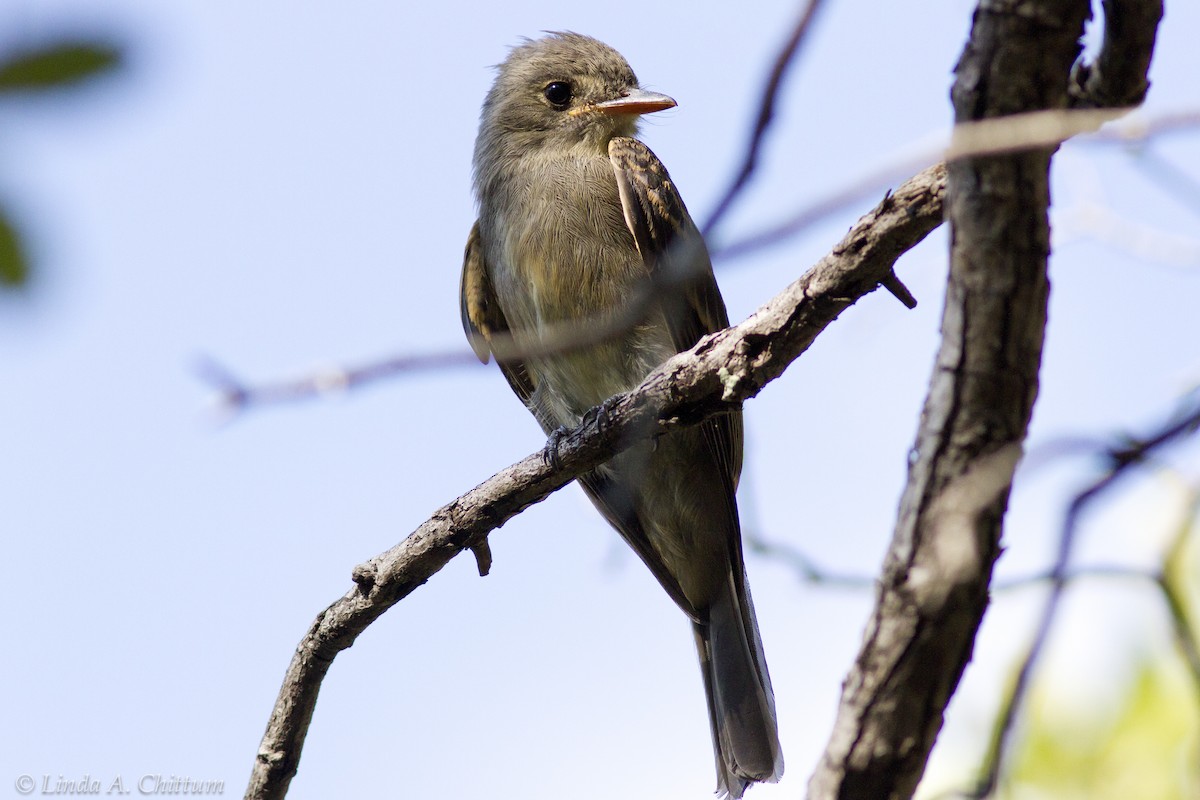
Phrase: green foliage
[13,267]
[1180,586]
[52,67]
[1147,748]
[1146,745]
[58,65]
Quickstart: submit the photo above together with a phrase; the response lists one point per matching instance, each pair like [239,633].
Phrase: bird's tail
[741,705]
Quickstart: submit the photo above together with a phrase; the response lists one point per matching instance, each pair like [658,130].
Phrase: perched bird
[575,216]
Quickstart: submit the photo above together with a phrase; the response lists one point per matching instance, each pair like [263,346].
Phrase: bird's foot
[550,453]
[601,414]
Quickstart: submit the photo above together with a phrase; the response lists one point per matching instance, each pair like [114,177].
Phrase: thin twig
[766,112]
[806,568]
[1170,177]
[988,137]
[1116,571]
[809,571]
[234,395]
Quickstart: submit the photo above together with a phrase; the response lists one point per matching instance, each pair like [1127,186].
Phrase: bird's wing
[671,247]
[482,316]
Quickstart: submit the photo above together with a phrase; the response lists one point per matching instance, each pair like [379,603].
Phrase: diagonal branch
[714,377]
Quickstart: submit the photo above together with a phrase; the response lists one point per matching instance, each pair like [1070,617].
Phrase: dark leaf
[14,269]
[57,65]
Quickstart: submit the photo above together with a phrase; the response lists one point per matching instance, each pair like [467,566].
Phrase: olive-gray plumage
[575,215]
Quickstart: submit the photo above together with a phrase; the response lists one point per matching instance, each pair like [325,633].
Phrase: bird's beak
[637,101]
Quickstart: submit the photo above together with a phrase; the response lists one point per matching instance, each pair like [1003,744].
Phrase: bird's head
[566,91]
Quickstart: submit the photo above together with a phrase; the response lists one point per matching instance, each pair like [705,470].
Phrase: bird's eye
[558,94]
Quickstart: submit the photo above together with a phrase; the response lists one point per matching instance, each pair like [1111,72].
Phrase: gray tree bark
[933,590]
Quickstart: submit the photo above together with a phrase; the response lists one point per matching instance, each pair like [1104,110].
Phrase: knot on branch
[364,576]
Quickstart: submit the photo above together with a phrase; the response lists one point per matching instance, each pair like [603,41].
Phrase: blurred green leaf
[57,65]
[14,269]
[1137,748]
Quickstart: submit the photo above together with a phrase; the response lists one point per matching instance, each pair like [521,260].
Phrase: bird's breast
[560,253]
[563,242]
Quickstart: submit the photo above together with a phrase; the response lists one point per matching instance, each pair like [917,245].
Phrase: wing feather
[483,318]
[671,246]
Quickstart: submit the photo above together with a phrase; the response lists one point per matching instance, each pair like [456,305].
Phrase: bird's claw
[601,414]
[550,453]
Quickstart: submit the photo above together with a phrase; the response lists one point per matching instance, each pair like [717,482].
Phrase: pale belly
[570,384]
[566,261]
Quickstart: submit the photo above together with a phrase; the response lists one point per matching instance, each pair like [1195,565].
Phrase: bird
[576,218]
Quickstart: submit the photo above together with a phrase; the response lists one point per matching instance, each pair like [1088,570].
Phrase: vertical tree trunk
[934,587]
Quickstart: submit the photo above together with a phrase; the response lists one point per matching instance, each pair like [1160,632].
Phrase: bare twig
[1110,571]
[809,571]
[1170,177]
[806,568]
[766,112]
[233,395]
[1089,214]
[991,137]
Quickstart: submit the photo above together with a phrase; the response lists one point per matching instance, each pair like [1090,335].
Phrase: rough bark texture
[1117,78]
[934,587]
[712,378]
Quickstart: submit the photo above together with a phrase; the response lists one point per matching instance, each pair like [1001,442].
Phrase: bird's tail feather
[741,705]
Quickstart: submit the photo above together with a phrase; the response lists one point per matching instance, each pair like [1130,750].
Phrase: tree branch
[934,587]
[1118,75]
[715,376]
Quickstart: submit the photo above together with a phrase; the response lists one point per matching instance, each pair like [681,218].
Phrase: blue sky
[283,186]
